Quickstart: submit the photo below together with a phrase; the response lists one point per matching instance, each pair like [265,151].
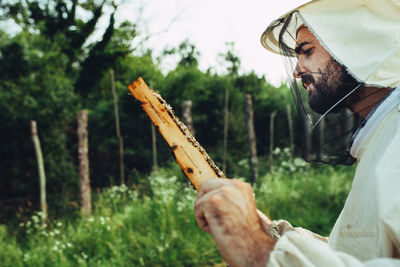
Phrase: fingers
[205,206]
[215,197]
[212,184]
[227,210]
[218,183]
[264,220]
[208,201]
[210,210]
[201,218]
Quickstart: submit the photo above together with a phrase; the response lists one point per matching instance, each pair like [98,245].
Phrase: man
[347,55]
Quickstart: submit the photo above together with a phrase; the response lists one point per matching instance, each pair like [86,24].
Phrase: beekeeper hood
[362,41]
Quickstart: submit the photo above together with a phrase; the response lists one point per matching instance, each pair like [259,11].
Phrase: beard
[332,84]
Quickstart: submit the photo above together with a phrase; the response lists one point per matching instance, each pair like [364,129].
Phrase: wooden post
[187,115]
[252,139]
[349,124]
[154,142]
[226,125]
[271,137]
[290,124]
[117,127]
[307,142]
[84,162]
[321,138]
[42,174]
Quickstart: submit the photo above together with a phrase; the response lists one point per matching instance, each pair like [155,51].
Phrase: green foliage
[50,70]
[44,68]
[158,228]
[307,196]
[45,95]
[10,252]
[126,229]
[231,59]
[187,52]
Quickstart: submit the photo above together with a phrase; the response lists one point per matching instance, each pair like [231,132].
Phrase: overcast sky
[209,24]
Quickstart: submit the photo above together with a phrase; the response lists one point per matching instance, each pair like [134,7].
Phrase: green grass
[157,228]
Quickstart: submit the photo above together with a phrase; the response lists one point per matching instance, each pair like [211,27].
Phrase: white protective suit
[367,232]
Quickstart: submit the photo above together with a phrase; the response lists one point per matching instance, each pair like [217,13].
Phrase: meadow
[153,224]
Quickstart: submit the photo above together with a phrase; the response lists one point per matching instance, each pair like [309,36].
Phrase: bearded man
[346,55]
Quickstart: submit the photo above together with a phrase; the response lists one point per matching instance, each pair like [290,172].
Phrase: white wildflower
[286,150]
[277,151]
[299,162]
[35,219]
[27,257]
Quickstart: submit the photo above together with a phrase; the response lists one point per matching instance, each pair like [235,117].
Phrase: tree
[231,59]
[58,22]
[49,71]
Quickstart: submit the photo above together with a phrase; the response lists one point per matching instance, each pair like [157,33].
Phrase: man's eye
[308,52]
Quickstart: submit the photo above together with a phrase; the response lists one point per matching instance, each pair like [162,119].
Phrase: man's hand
[227,210]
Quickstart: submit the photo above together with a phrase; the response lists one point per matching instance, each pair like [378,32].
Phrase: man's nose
[299,70]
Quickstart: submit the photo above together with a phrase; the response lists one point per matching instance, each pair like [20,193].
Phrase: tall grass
[126,229]
[307,196]
[157,228]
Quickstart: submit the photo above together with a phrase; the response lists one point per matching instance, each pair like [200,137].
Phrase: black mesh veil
[324,95]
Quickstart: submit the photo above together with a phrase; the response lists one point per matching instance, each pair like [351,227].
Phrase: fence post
[84,162]
[321,138]
[349,123]
[252,139]
[290,123]
[307,142]
[226,125]
[42,174]
[117,127]
[187,115]
[271,137]
[154,145]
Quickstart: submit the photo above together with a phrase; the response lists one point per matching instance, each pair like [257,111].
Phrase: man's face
[325,80]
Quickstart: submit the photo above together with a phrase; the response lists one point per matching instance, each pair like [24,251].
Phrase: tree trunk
[252,139]
[187,115]
[226,125]
[290,124]
[84,162]
[154,145]
[42,174]
[271,137]
[117,127]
